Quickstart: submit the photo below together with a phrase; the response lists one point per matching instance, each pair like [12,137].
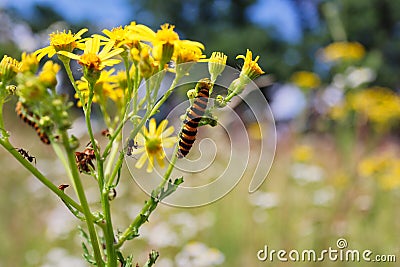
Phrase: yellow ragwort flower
[94,59]
[106,87]
[305,79]
[152,142]
[188,51]
[9,67]
[147,65]
[48,74]
[118,35]
[163,42]
[29,62]
[61,41]
[343,51]
[216,64]
[250,67]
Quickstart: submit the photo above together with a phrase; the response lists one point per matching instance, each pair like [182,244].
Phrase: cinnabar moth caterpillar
[188,133]
[31,119]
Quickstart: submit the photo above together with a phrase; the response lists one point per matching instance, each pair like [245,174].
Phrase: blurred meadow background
[335,69]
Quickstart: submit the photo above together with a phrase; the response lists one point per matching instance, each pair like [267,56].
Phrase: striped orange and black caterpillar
[31,119]
[194,114]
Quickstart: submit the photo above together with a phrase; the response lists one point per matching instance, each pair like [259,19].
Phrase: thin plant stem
[111,156]
[70,76]
[108,230]
[139,126]
[75,175]
[165,96]
[82,198]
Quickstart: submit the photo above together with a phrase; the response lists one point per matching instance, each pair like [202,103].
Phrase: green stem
[165,96]
[65,198]
[108,230]
[3,131]
[116,169]
[82,198]
[70,76]
[61,156]
[114,136]
[112,155]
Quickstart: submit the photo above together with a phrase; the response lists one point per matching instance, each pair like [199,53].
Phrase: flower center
[167,34]
[90,60]
[153,144]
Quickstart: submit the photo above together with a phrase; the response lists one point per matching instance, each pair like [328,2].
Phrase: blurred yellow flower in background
[29,62]
[380,105]
[48,74]
[305,79]
[384,167]
[303,153]
[343,51]
[338,112]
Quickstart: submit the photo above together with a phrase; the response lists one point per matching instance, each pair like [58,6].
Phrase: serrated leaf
[171,187]
[129,261]
[153,256]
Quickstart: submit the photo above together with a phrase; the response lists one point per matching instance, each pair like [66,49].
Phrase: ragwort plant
[143,57]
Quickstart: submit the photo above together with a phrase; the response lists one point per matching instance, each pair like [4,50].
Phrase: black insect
[26,155]
[132,144]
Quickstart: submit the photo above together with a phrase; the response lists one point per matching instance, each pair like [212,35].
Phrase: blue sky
[278,14]
[105,13]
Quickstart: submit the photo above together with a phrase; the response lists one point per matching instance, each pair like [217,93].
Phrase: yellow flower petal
[142,160]
[161,127]
[168,131]
[150,165]
[152,126]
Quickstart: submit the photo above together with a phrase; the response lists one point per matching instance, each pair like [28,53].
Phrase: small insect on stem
[132,144]
[63,186]
[84,159]
[106,133]
[26,155]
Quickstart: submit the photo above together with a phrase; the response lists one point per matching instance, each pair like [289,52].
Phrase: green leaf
[153,256]
[171,187]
